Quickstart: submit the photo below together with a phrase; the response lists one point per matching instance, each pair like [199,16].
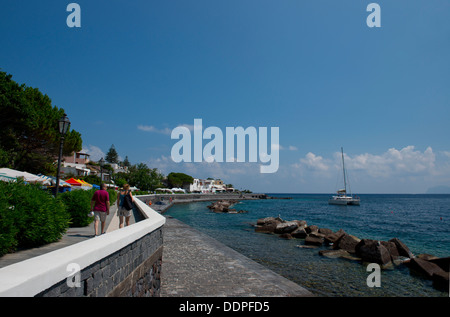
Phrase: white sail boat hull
[342,198]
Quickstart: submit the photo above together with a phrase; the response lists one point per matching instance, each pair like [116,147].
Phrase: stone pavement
[195,264]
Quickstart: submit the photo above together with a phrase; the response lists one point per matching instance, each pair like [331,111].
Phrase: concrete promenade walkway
[194,264]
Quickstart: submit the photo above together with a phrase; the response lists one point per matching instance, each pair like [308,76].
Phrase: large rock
[373,251]
[347,242]
[325,231]
[267,225]
[317,234]
[440,281]
[392,248]
[299,233]
[286,227]
[263,221]
[426,257]
[222,205]
[312,228]
[431,270]
[403,250]
[444,263]
[333,237]
[313,240]
[267,228]
[424,267]
[286,236]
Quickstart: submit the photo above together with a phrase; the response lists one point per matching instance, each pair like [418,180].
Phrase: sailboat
[342,198]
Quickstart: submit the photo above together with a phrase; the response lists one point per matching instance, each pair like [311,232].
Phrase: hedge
[31,217]
[78,204]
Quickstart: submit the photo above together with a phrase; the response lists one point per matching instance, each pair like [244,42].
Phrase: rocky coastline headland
[340,244]
[225,206]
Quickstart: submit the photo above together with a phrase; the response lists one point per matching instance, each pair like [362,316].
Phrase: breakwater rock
[225,206]
[343,245]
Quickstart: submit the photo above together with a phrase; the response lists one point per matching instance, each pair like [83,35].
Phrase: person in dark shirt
[100,206]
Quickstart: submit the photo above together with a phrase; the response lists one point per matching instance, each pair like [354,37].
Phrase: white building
[77,165]
[207,186]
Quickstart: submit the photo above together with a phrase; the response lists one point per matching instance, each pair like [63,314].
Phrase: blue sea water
[420,221]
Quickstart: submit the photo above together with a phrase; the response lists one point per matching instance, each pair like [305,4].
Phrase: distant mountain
[443,189]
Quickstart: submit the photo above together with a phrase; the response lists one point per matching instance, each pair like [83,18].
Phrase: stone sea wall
[133,271]
[124,262]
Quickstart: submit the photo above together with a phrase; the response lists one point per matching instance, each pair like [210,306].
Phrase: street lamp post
[63,125]
[102,161]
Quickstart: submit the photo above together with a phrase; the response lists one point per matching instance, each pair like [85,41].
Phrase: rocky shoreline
[387,254]
[225,206]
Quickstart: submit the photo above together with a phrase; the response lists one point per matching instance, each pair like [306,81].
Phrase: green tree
[30,135]
[179,179]
[126,162]
[144,178]
[112,156]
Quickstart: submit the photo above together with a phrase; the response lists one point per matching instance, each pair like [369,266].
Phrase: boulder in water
[403,250]
[347,242]
[286,227]
[373,251]
[311,228]
[299,233]
[311,240]
[333,237]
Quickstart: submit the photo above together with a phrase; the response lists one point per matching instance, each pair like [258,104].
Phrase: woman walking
[125,205]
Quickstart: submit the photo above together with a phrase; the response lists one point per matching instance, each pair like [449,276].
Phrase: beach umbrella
[27,177]
[6,178]
[52,181]
[73,182]
[84,183]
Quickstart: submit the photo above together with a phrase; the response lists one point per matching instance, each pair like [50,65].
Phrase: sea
[422,222]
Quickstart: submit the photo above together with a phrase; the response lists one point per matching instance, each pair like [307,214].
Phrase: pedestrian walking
[125,205]
[100,206]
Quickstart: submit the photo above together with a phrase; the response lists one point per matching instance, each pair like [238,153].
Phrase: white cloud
[95,152]
[394,162]
[280,147]
[150,128]
[311,161]
[402,170]
[166,131]
[407,160]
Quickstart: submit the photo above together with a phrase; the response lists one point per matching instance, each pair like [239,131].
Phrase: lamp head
[64,125]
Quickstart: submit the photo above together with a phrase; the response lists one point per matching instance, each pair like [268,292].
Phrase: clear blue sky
[137,69]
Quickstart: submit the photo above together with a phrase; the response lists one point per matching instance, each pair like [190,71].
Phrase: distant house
[119,169]
[207,186]
[77,158]
[77,165]
[95,170]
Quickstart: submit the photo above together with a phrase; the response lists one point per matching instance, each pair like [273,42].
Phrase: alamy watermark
[213,151]
[374,278]
[74,18]
[74,277]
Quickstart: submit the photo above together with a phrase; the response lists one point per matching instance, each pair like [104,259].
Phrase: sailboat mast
[343,169]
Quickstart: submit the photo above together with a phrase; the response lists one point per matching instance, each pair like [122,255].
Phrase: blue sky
[135,70]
